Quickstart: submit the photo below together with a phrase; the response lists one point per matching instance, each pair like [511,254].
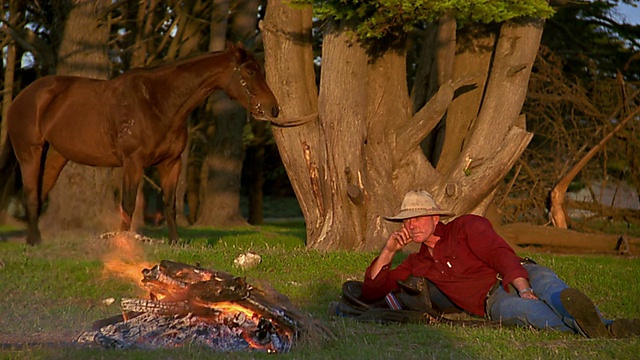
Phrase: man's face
[422,227]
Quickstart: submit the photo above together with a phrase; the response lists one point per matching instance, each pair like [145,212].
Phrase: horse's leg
[132,173]
[30,158]
[53,166]
[169,172]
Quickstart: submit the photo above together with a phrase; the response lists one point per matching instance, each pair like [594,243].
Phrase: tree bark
[83,52]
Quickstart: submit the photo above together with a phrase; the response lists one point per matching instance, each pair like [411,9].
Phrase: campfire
[190,305]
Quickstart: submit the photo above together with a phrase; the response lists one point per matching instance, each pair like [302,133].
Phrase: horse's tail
[10,179]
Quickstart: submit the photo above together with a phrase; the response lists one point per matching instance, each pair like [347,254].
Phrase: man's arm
[379,280]
[489,246]
[397,240]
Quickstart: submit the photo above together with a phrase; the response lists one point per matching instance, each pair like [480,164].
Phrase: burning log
[197,306]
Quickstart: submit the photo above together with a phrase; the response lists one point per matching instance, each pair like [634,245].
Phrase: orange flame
[227,307]
[126,258]
[233,308]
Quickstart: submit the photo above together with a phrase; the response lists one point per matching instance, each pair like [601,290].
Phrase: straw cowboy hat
[418,203]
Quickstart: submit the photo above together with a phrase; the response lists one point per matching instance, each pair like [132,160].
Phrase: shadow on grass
[375,340]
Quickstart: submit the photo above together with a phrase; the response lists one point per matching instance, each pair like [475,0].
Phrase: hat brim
[408,214]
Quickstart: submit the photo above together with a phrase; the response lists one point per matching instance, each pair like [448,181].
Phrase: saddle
[409,304]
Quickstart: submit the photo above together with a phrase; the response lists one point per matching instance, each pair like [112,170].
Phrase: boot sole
[582,309]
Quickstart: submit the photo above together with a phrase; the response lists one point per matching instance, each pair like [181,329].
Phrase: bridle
[244,83]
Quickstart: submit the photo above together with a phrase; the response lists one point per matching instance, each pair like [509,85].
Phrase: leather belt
[495,287]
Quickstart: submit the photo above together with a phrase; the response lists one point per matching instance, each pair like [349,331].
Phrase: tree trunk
[255,156]
[354,163]
[83,52]
[222,166]
[9,72]
[464,107]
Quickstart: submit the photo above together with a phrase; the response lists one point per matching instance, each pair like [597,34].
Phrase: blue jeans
[545,313]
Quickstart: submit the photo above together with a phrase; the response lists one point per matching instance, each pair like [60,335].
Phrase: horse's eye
[251,72]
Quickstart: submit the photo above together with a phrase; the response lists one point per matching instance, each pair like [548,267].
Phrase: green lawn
[52,292]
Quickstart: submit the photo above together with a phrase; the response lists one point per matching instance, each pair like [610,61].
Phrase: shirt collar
[439,231]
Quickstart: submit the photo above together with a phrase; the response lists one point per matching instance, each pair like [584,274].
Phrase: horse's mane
[195,58]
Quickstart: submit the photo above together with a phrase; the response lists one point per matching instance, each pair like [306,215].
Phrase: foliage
[54,291]
[382,18]
[591,42]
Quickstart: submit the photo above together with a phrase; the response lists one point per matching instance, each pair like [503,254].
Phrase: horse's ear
[240,53]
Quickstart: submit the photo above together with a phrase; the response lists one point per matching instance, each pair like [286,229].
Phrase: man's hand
[524,289]
[397,240]
[528,295]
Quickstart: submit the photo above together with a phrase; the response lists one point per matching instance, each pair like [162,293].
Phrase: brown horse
[133,121]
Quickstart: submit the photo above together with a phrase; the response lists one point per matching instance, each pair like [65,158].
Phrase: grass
[51,293]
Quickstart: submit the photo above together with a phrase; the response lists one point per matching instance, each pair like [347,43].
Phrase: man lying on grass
[476,270]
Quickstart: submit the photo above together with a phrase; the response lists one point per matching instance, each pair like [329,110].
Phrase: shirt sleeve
[487,245]
[386,280]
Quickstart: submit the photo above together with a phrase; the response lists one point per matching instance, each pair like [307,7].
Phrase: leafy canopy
[376,19]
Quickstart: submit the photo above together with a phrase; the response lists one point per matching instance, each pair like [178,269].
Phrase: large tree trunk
[222,166]
[354,163]
[83,198]
[15,16]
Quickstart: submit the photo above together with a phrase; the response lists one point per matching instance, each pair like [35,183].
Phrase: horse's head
[249,86]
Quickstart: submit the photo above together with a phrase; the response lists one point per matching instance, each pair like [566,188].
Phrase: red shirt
[464,264]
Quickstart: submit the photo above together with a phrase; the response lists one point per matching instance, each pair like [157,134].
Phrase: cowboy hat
[418,203]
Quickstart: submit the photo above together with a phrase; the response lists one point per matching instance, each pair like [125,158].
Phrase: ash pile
[190,305]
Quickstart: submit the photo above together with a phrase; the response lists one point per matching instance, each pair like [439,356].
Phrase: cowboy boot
[622,328]
[585,313]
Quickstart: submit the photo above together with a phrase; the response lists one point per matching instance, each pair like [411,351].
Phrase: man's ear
[436,219]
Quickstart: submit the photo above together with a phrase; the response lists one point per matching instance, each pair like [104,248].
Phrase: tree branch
[481,178]
[30,41]
[557,211]
[411,134]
